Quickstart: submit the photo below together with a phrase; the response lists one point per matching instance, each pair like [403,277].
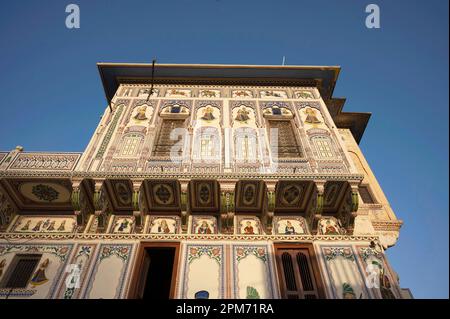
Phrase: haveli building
[202,181]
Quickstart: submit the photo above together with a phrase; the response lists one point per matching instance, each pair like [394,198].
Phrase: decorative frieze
[178,237]
[45,161]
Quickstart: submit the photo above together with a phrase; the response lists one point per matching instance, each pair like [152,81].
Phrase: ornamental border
[178,237]
[149,175]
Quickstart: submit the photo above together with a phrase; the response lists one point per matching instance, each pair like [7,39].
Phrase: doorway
[155,271]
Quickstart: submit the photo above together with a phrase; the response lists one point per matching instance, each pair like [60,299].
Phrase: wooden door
[298,273]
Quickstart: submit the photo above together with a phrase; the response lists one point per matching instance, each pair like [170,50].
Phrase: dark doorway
[156,271]
[159,274]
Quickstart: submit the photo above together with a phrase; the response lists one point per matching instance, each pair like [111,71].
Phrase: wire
[153,76]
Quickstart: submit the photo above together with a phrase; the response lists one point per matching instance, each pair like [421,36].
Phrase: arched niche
[243,116]
[141,115]
[208,116]
[207,144]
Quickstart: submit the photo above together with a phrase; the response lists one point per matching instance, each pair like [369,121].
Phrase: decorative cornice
[178,237]
[387,225]
[188,175]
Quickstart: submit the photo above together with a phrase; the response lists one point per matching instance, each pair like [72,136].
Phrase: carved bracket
[184,211]
[227,211]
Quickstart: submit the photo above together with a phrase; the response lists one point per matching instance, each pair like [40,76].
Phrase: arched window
[323,146]
[130,145]
[207,144]
[245,144]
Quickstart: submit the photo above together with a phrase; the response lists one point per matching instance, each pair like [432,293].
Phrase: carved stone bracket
[101,205]
[227,211]
[75,200]
[7,210]
[184,210]
[137,213]
[355,197]
[317,215]
[267,218]
[138,220]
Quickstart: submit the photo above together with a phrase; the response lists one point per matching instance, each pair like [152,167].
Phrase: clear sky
[52,97]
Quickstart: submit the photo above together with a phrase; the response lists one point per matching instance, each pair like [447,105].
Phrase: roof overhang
[322,77]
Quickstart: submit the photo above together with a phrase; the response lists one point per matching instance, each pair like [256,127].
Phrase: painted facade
[236,174]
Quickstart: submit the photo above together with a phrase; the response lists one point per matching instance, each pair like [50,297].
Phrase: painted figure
[276,110]
[38,226]
[208,93]
[252,293]
[62,227]
[204,228]
[311,117]
[241,93]
[248,229]
[304,95]
[123,225]
[2,266]
[385,286]
[39,277]
[329,228]
[289,229]
[127,92]
[202,294]
[51,227]
[347,291]
[242,115]
[46,223]
[163,227]
[208,114]
[271,93]
[140,115]
[26,226]
[176,92]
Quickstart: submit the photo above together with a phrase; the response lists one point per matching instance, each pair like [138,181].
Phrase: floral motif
[259,252]
[367,252]
[333,252]
[60,251]
[213,252]
[119,251]
[17,292]
[85,250]
[45,192]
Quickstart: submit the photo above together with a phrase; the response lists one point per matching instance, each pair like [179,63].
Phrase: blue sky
[52,97]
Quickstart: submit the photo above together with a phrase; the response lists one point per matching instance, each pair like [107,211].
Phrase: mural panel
[248,225]
[164,225]
[44,224]
[48,271]
[122,225]
[342,272]
[330,226]
[107,279]
[253,272]
[204,225]
[375,268]
[77,270]
[290,225]
[204,271]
